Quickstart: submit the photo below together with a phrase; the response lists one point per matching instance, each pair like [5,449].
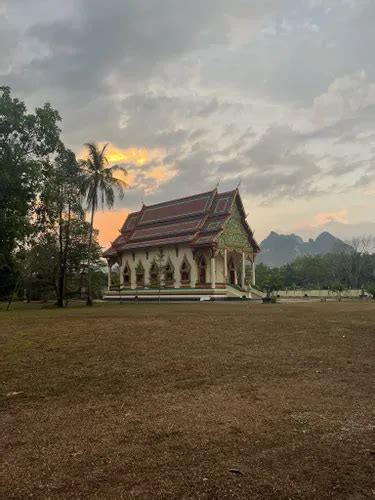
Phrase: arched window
[169,273]
[127,275]
[154,274]
[185,272]
[140,274]
[202,265]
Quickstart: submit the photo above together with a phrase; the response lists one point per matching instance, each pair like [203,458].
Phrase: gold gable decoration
[235,235]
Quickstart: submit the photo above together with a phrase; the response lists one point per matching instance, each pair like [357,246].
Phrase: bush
[371,290]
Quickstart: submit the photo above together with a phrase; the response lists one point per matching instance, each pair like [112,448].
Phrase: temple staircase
[255,293]
[236,292]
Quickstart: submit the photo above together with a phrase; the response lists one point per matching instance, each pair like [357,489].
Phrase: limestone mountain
[279,249]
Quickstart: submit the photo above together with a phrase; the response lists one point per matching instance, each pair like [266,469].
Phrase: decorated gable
[235,234]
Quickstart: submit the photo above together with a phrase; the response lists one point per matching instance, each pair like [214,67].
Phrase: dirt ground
[188,401]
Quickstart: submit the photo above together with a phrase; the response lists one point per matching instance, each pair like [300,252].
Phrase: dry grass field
[188,401]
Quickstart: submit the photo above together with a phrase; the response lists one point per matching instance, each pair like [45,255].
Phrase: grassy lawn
[188,401]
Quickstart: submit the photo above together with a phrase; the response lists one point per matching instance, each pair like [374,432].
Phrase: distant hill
[279,249]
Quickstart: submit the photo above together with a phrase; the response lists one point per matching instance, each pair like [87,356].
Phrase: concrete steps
[166,294]
[231,292]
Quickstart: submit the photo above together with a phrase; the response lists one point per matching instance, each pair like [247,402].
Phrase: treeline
[353,269]
[47,248]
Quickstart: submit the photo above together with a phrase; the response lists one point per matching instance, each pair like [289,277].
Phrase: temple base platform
[230,292]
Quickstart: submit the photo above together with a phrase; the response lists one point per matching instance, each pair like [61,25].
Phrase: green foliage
[27,143]
[337,287]
[371,289]
[44,238]
[98,282]
[98,182]
[61,195]
[330,271]
[39,266]
[268,279]
[60,207]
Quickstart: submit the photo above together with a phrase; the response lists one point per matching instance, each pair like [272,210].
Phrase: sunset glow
[135,156]
[132,156]
[324,217]
[109,222]
[160,174]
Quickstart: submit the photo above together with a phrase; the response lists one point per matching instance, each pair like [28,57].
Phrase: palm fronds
[99,185]
[98,181]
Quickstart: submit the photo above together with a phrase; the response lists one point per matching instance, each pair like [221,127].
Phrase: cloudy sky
[278,95]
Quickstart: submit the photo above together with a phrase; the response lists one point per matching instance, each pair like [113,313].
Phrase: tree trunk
[11,296]
[63,262]
[60,286]
[89,299]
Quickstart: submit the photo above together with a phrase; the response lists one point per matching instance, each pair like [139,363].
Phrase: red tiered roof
[196,220]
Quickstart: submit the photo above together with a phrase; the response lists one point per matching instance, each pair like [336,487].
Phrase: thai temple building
[191,248]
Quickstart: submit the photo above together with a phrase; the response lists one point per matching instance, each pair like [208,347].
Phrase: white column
[146,267]
[121,270]
[133,276]
[243,270]
[121,275]
[225,266]
[109,276]
[253,272]
[177,270]
[213,272]
[193,270]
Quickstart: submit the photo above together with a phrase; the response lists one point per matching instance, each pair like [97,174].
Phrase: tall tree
[27,143]
[99,187]
[61,204]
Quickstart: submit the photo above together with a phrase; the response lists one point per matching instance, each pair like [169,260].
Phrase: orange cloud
[132,156]
[160,174]
[135,159]
[323,217]
[109,223]
[135,156]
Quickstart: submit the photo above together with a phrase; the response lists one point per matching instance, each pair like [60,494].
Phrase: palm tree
[98,185]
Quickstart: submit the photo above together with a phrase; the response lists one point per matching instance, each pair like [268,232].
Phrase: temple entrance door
[232,277]
[232,272]
[127,275]
[202,271]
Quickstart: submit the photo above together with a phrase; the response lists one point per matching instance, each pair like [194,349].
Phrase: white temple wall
[176,258]
[147,258]
[220,278]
